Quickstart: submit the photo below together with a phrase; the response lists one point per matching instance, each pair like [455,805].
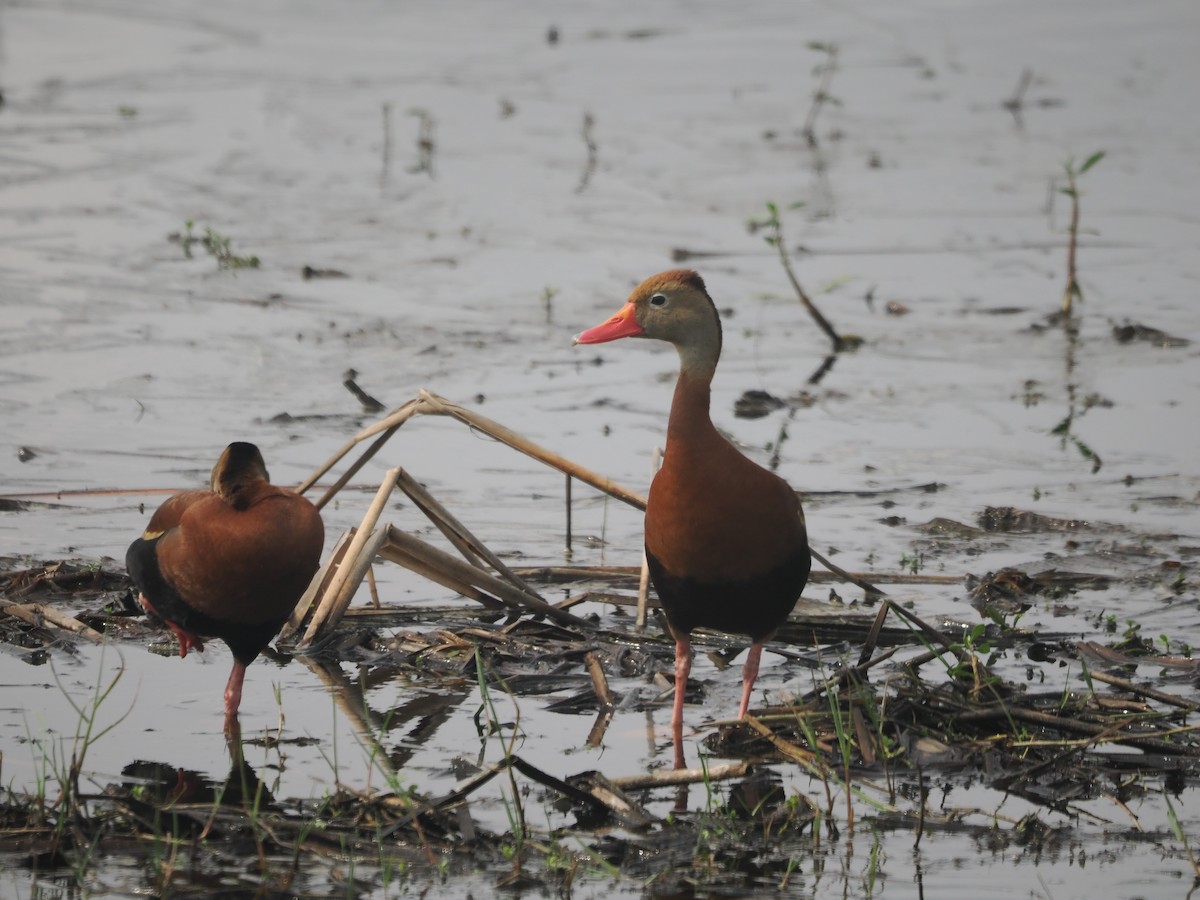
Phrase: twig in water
[386,168]
[567,551]
[369,403]
[821,95]
[590,142]
[775,239]
[1073,291]
[425,144]
[1016,103]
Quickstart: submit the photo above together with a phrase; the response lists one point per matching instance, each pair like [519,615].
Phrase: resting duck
[228,563]
[725,539]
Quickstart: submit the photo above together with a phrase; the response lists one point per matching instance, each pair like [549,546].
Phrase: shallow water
[125,365]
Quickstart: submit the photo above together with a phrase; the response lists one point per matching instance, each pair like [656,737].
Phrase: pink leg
[233,695]
[749,673]
[683,665]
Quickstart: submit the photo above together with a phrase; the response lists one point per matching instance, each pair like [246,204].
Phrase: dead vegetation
[893,702]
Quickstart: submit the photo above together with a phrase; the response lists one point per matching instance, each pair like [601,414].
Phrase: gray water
[292,130]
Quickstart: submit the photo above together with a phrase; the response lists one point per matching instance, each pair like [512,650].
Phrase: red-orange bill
[623,324]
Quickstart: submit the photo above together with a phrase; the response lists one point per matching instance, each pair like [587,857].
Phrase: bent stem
[775,239]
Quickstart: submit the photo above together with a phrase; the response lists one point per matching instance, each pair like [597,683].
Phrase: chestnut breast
[714,515]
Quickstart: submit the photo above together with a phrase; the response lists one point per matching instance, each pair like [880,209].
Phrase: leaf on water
[1091,161]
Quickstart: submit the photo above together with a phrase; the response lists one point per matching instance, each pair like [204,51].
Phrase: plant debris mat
[894,702]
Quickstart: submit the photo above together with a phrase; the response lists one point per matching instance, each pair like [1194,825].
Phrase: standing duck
[229,562]
[725,538]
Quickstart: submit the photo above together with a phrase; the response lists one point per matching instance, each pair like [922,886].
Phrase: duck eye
[658,299]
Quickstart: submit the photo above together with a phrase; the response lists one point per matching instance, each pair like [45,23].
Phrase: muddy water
[293,131]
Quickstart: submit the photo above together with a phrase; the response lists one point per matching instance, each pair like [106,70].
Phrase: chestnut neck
[690,417]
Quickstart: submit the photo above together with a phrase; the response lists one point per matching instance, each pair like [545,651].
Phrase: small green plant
[1074,173]
[873,865]
[972,645]
[216,244]
[1066,437]
[548,295]
[1181,836]
[1006,621]
[914,563]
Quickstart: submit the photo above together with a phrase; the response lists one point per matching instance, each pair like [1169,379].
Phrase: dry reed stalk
[341,587]
[672,777]
[337,586]
[424,566]
[427,403]
[599,682]
[458,534]
[787,748]
[347,580]
[388,423]
[643,595]
[510,594]
[436,405]
[644,577]
[317,586]
[38,615]
[599,727]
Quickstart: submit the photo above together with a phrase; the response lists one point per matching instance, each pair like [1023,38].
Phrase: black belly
[245,640]
[753,606]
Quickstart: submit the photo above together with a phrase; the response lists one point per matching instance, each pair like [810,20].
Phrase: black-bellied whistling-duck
[229,562]
[725,538]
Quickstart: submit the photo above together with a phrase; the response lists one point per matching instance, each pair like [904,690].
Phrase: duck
[229,562]
[726,542]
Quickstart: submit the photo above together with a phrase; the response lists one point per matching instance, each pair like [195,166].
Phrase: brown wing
[244,565]
[167,516]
